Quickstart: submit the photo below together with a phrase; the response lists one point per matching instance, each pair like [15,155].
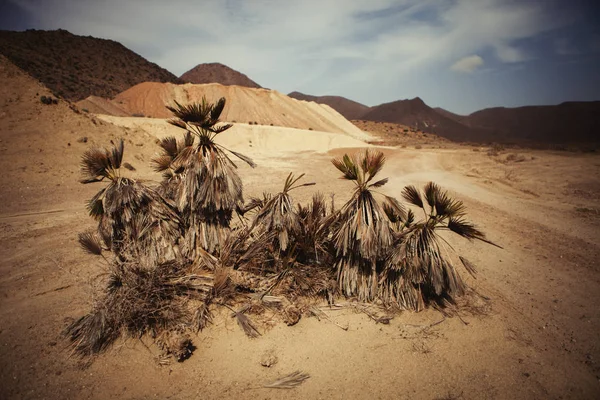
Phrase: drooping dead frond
[466,229]
[140,299]
[90,242]
[246,324]
[468,265]
[290,381]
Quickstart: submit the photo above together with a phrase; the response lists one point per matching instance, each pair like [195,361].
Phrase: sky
[462,55]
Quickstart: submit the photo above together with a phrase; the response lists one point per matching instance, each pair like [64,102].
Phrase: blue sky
[462,55]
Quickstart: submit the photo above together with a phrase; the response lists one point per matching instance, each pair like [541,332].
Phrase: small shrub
[310,129]
[137,115]
[48,100]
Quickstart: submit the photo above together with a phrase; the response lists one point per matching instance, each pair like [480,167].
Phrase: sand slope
[100,105]
[251,139]
[261,106]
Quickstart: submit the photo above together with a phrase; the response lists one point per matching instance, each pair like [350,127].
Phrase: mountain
[570,122]
[418,115]
[456,117]
[76,67]
[217,73]
[348,108]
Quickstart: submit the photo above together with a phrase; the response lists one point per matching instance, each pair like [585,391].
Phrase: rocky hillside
[348,108]
[570,122]
[218,73]
[75,67]
[419,116]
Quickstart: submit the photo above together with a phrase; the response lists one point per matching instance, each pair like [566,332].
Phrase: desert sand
[262,106]
[533,334]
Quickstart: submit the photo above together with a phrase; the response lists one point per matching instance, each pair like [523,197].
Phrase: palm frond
[220,128]
[379,183]
[372,163]
[469,266]
[347,166]
[95,206]
[412,195]
[90,242]
[95,164]
[116,154]
[244,158]
[169,146]
[289,381]
[432,192]
[217,109]
[246,324]
[194,112]
[466,229]
[446,207]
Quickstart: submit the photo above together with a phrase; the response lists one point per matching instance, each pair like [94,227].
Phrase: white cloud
[467,64]
[308,45]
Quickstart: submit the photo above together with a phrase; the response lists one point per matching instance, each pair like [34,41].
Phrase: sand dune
[261,106]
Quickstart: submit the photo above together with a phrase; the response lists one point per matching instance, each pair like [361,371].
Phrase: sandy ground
[535,338]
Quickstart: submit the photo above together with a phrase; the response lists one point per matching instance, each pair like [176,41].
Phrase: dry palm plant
[200,177]
[278,214]
[419,268]
[362,234]
[132,217]
[144,299]
[289,258]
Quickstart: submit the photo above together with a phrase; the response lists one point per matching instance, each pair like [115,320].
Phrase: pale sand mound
[251,139]
[262,106]
[100,105]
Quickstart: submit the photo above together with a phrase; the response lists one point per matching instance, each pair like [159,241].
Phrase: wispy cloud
[363,49]
[467,64]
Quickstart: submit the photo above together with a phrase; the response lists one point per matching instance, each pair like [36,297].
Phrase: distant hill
[217,73]
[570,122]
[76,67]
[419,116]
[458,118]
[348,108]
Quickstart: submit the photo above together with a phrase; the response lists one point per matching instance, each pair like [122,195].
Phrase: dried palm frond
[140,299]
[469,266]
[90,242]
[412,195]
[246,324]
[98,164]
[290,381]
[279,215]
